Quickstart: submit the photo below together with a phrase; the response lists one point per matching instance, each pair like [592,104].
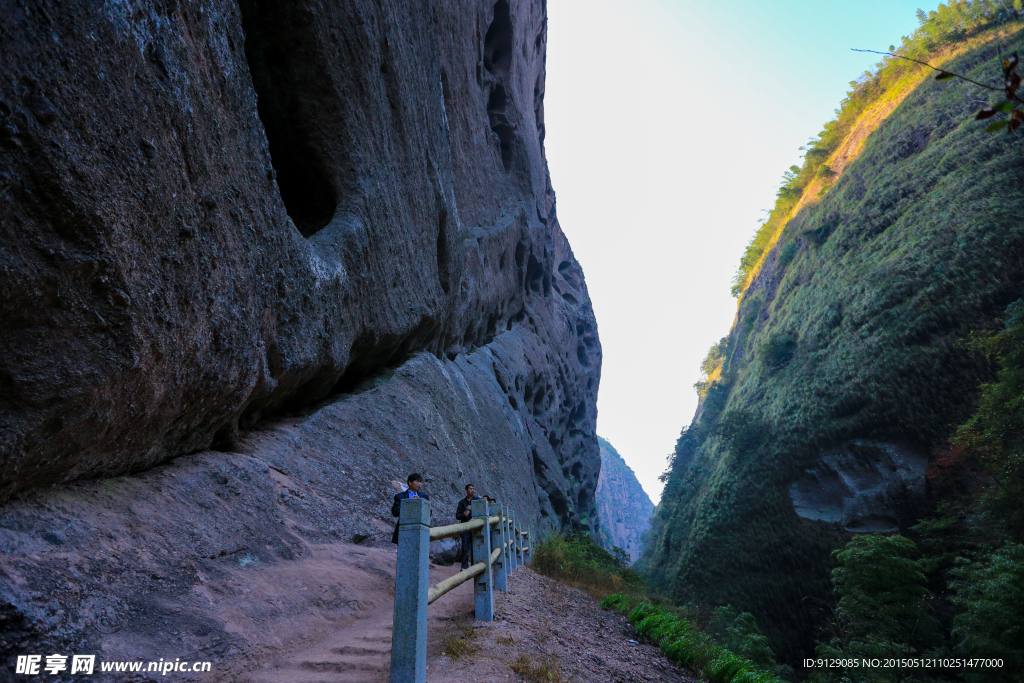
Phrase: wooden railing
[497,538]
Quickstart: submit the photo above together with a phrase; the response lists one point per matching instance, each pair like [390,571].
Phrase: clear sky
[669,126]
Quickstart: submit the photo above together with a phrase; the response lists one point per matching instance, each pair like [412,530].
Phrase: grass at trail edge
[729,648]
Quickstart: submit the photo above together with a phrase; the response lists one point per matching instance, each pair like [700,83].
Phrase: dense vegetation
[726,647]
[579,560]
[873,311]
[747,658]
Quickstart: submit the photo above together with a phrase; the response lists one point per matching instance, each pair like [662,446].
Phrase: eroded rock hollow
[311,245]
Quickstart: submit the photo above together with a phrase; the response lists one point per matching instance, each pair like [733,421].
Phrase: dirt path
[540,625]
[359,651]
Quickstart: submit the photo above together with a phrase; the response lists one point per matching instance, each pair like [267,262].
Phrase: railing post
[409,637]
[482,552]
[500,566]
[508,538]
[509,528]
[527,548]
[519,546]
[512,563]
[515,550]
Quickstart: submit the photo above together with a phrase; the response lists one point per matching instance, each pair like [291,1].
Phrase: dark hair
[467,487]
[415,476]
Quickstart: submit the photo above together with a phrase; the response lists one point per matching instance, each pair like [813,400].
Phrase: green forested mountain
[872,324]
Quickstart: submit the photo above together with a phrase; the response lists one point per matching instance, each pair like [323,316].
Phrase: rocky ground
[546,631]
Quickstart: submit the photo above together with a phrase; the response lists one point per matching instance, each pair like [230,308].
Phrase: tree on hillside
[990,592]
[881,611]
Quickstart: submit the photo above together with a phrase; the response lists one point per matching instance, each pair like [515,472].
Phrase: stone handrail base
[497,539]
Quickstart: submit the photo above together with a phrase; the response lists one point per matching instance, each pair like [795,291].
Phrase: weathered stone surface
[212,210]
[624,506]
[863,486]
[319,238]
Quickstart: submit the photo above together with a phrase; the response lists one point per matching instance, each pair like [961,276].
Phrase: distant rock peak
[625,508]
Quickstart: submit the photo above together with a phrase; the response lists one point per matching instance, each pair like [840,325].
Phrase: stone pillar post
[507,537]
[500,566]
[515,548]
[512,560]
[409,638]
[482,553]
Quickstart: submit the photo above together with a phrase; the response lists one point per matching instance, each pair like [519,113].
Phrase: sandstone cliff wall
[318,238]
[624,506]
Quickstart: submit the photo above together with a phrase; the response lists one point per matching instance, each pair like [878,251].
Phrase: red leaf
[1012,83]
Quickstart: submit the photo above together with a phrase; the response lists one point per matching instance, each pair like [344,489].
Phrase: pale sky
[669,126]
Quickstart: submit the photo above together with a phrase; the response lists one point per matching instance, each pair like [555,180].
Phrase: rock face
[624,506]
[318,238]
[864,486]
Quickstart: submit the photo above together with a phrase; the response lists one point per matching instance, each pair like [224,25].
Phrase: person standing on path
[463,513]
[415,482]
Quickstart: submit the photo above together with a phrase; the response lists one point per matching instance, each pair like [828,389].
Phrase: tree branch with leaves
[1011,88]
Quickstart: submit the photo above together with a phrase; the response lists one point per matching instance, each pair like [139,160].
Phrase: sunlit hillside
[897,243]
[947,33]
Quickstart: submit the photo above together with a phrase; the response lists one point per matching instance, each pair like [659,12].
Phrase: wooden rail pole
[527,548]
[482,552]
[409,638]
[500,565]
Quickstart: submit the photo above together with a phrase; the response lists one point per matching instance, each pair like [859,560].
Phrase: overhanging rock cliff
[217,213]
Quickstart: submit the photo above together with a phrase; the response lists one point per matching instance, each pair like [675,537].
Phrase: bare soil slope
[543,625]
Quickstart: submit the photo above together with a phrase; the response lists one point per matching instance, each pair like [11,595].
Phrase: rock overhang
[364,279]
[863,486]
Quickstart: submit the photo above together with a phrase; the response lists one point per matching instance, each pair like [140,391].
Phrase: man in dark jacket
[415,482]
[463,513]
